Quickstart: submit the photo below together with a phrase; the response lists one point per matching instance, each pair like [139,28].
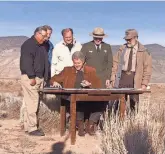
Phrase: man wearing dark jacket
[99,55]
[34,70]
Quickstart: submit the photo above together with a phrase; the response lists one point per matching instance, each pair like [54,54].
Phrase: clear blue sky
[21,18]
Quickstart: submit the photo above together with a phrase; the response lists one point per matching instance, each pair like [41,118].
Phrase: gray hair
[39,29]
[78,55]
[48,27]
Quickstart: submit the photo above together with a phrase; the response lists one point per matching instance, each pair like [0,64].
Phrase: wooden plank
[73,119]
[99,92]
[96,91]
[85,97]
[62,120]
[122,107]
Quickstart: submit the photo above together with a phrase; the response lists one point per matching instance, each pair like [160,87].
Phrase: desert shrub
[10,104]
[143,133]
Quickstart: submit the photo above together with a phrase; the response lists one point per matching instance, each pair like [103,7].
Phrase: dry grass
[143,133]
[48,120]
[10,104]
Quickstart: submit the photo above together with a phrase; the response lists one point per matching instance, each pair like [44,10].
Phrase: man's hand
[144,87]
[107,84]
[32,82]
[85,83]
[56,84]
[112,84]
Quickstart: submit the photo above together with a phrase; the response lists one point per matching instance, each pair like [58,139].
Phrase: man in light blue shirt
[49,47]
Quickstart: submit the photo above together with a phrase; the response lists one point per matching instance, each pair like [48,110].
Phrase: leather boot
[80,124]
[91,128]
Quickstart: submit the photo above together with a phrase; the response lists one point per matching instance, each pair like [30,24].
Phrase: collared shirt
[97,46]
[49,48]
[126,58]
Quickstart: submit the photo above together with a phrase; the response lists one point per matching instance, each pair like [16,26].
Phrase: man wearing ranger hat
[99,55]
[132,65]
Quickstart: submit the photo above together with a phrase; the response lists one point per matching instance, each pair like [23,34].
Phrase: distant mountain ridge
[10,57]
[9,42]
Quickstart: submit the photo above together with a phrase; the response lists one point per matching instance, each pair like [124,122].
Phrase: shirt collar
[134,47]
[74,42]
[83,69]
[98,45]
[36,41]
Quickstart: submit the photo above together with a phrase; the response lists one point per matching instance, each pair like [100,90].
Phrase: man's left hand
[144,87]
[107,84]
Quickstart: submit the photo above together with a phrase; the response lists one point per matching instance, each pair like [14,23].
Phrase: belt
[128,72]
[39,76]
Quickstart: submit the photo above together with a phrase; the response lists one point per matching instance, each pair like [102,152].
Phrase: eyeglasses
[44,36]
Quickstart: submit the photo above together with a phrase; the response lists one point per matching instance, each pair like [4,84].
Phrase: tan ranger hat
[98,32]
[130,33]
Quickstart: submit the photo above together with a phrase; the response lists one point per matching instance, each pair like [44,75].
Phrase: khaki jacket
[143,69]
[68,77]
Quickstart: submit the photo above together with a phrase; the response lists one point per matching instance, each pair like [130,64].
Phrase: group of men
[73,65]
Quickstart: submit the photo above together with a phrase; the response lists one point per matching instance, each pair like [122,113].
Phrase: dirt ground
[14,140]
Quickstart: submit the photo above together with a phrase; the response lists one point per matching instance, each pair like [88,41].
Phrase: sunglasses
[96,38]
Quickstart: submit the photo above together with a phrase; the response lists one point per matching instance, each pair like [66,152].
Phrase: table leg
[62,120]
[122,107]
[73,119]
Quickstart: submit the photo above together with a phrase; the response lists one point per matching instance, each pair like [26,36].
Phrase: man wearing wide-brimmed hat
[99,55]
[132,65]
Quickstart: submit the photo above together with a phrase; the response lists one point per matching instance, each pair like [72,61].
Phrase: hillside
[10,54]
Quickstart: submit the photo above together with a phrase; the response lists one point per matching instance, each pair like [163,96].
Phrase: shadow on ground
[58,148]
[137,142]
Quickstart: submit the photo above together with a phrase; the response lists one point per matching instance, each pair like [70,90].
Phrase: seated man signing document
[78,76]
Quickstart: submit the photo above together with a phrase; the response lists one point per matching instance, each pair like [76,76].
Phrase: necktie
[79,79]
[98,48]
[130,60]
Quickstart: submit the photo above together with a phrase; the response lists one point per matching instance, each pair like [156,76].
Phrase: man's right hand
[32,82]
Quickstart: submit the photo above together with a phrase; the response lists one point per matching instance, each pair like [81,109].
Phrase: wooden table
[88,95]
